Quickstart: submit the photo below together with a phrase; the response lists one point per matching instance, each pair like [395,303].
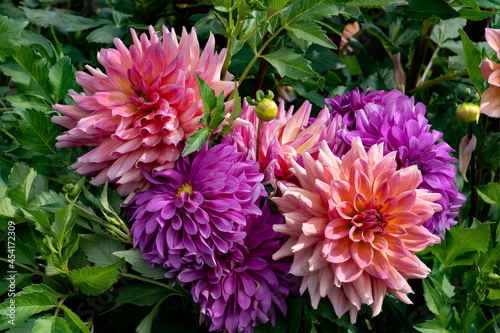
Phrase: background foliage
[77,271]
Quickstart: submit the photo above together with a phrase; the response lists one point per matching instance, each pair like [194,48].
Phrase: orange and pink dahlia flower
[355,225]
[139,111]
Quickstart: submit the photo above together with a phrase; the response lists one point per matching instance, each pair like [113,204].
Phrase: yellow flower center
[184,188]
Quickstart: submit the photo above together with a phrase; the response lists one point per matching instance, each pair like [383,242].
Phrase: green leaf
[461,241]
[38,133]
[30,72]
[62,225]
[61,19]
[62,78]
[21,102]
[308,9]
[489,260]
[431,326]
[140,265]
[106,34]
[196,141]
[40,288]
[75,319]
[424,9]
[26,305]
[436,302]
[290,64]
[147,322]
[207,95]
[294,313]
[446,30]
[490,193]
[21,193]
[373,3]
[380,35]
[352,65]
[99,249]
[141,294]
[10,34]
[51,324]
[471,3]
[95,280]
[38,42]
[472,60]
[473,15]
[310,32]
[6,207]
[219,113]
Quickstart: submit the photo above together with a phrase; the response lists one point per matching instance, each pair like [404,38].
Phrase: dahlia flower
[252,284]
[141,109]
[355,225]
[395,120]
[490,99]
[197,209]
[284,138]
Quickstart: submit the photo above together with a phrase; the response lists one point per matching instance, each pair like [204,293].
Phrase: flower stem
[489,322]
[431,83]
[143,279]
[474,196]
[465,320]
[428,67]
[257,148]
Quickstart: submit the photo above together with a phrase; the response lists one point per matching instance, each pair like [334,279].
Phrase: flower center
[184,188]
[368,223]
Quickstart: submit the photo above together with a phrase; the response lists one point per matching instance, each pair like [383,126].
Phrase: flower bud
[468,112]
[266,109]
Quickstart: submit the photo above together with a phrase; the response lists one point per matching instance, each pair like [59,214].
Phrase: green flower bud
[468,112]
[266,109]
[68,188]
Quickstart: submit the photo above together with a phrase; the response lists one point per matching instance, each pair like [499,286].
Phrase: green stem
[59,308]
[465,319]
[491,321]
[474,197]
[143,279]
[257,149]
[428,67]
[431,83]
[7,133]
[37,272]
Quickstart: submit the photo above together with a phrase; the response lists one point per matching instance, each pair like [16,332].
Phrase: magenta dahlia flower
[395,120]
[284,138]
[141,109]
[251,285]
[197,209]
[355,225]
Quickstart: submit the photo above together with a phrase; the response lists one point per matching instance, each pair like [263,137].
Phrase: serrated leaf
[219,113]
[75,319]
[308,9]
[471,3]
[473,15]
[21,193]
[373,3]
[51,324]
[310,32]
[141,294]
[40,288]
[140,265]
[26,306]
[106,34]
[436,302]
[61,19]
[62,225]
[461,240]
[383,39]
[38,42]
[196,141]
[38,133]
[99,249]
[207,95]
[490,193]
[21,102]
[62,78]
[489,260]
[446,30]
[6,207]
[472,61]
[431,326]
[10,34]
[29,71]
[290,64]
[95,280]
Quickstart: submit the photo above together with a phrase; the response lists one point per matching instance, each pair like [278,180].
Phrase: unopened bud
[468,112]
[266,110]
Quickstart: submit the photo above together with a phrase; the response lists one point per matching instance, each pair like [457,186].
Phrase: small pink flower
[355,225]
[141,109]
[490,99]
[349,30]
[283,138]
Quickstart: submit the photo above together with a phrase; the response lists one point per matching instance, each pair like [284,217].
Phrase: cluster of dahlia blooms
[360,189]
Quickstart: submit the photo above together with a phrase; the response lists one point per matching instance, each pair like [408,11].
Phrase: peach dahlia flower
[355,225]
[490,99]
[139,111]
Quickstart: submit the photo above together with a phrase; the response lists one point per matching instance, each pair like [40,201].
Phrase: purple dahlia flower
[197,209]
[395,120]
[251,284]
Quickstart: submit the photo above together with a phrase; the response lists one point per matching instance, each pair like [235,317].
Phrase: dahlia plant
[148,184]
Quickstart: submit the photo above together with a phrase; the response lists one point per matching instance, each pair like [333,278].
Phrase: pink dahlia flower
[284,138]
[490,99]
[141,109]
[355,225]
